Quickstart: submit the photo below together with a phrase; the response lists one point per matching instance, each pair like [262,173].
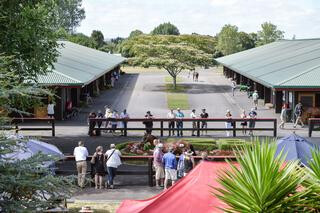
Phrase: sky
[119,17]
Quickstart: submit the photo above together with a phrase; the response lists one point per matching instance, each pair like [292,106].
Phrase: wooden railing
[198,121]
[312,122]
[15,125]
[149,159]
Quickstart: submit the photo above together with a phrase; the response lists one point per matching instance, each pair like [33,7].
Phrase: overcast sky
[119,17]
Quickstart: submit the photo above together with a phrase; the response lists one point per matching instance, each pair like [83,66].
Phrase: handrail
[311,123]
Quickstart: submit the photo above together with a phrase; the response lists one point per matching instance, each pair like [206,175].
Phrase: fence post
[198,128]
[234,128]
[150,172]
[161,126]
[275,128]
[125,128]
[53,128]
[310,124]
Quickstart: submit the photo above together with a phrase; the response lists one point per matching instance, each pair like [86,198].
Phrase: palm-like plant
[262,182]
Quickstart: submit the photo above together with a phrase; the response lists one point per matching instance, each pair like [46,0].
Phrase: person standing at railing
[179,115]
[158,165]
[148,123]
[98,162]
[113,162]
[81,153]
[228,124]
[114,122]
[100,115]
[189,163]
[171,115]
[244,124]
[91,123]
[204,124]
[170,164]
[252,123]
[123,115]
[194,123]
[50,109]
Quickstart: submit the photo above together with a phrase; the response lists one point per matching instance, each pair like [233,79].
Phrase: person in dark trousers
[98,161]
[92,124]
[100,115]
[204,124]
[148,123]
[113,161]
[252,123]
[171,115]
[298,110]
[179,115]
[197,76]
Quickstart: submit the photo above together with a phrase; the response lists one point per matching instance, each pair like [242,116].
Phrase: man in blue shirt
[170,165]
[179,125]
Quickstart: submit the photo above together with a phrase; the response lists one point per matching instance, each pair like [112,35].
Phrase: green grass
[169,79]
[178,100]
[104,207]
[179,88]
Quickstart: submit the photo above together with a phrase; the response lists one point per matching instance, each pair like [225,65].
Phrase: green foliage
[229,40]
[269,33]
[178,100]
[262,182]
[98,37]
[165,29]
[135,33]
[82,39]
[247,41]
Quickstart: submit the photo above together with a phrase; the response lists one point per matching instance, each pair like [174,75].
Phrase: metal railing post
[53,128]
[234,128]
[161,126]
[310,128]
[150,172]
[125,128]
[275,128]
[198,128]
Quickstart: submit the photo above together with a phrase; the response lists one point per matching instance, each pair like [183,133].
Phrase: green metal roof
[79,65]
[281,64]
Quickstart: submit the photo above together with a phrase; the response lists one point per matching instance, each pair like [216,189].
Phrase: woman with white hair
[113,162]
[228,124]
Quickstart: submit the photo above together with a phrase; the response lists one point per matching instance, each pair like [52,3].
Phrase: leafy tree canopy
[229,40]
[135,33]
[269,33]
[82,39]
[246,41]
[165,29]
[98,37]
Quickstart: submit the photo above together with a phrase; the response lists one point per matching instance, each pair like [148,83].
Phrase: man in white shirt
[81,153]
[255,97]
[194,123]
[124,115]
[171,115]
[113,161]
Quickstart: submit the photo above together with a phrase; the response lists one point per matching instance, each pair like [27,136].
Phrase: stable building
[79,71]
[283,72]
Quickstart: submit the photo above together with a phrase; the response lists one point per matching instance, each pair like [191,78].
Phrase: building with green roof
[283,72]
[79,71]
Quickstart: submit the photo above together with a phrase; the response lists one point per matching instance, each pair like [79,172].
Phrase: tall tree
[246,41]
[135,33]
[165,29]
[69,14]
[229,40]
[172,53]
[98,37]
[269,33]
[82,39]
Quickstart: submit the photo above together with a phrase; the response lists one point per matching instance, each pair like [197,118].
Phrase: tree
[165,29]
[69,14]
[246,41]
[172,53]
[135,33]
[98,37]
[229,40]
[28,36]
[82,39]
[269,33]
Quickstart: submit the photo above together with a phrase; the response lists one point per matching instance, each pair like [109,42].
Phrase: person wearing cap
[171,115]
[180,166]
[81,153]
[148,123]
[194,123]
[188,162]
[228,124]
[113,161]
[204,124]
[255,97]
[179,115]
[252,123]
[170,167]
[158,165]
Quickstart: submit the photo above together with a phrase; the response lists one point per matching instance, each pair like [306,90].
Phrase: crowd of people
[102,164]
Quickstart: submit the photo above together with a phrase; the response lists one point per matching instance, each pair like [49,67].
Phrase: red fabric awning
[190,194]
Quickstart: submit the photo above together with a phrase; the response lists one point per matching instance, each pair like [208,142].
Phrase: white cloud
[120,17]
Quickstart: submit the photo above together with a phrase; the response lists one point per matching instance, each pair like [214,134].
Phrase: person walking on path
[50,109]
[255,97]
[148,123]
[188,162]
[283,116]
[171,115]
[123,124]
[81,153]
[158,165]
[197,76]
[298,110]
[113,162]
[112,80]
[193,76]
[180,116]
[194,123]
[204,124]
[91,123]
[244,124]
[98,162]
[233,86]
[228,124]
[170,164]
[252,123]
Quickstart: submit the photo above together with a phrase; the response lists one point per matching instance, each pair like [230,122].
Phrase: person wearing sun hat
[158,165]
[188,162]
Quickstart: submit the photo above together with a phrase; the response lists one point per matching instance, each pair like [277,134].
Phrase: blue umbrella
[296,148]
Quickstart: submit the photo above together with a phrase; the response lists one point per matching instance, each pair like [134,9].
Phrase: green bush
[121,146]
[204,147]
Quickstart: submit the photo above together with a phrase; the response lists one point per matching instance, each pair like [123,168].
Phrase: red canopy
[190,194]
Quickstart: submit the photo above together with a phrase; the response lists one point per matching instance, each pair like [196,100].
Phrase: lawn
[98,207]
[176,98]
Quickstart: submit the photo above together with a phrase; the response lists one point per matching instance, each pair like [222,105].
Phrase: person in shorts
[170,164]
[157,164]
